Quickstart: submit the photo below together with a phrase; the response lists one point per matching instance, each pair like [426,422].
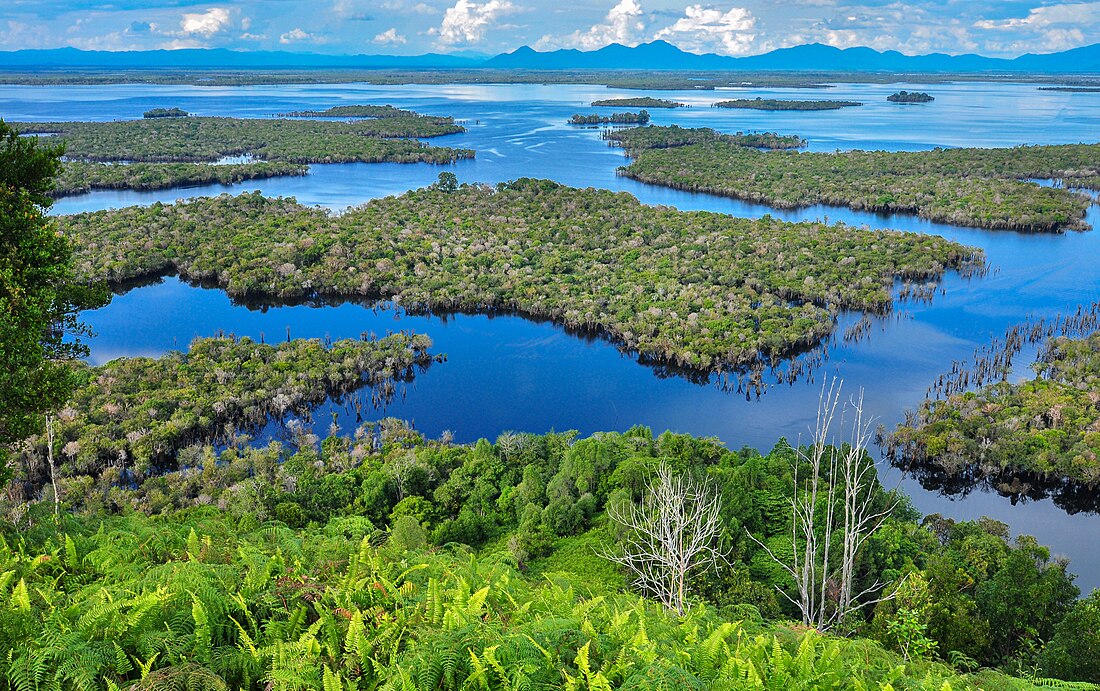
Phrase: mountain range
[657,55]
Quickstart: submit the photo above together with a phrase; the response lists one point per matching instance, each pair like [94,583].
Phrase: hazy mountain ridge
[657,55]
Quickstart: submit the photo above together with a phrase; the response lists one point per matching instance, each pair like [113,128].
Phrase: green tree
[39,298]
[1074,652]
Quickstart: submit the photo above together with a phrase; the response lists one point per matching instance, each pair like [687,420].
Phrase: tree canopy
[39,297]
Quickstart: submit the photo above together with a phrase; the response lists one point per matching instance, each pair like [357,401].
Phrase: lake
[507,373]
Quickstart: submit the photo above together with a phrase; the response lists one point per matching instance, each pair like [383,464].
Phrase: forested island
[779,104]
[165,113]
[78,177]
[1073,89]
[910,97]
[637,139]
[699,290]
[143,411]
[640,102]
[208,139]
[639,118]
[1047,427]
[357,111]
[984,188]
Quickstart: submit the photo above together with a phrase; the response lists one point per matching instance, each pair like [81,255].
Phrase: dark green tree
[39,297]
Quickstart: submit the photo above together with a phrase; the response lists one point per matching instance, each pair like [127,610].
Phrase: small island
[354,111]
[910,97]
[642,102]
[1072,89]
[639,118]
[165,113]
[778,104]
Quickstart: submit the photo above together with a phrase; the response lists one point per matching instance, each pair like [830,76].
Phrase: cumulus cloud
[467,21]
[704,28]
[622,25]
[1077,14]
[390,37]
[297,35]
[1047,28]
[208,23]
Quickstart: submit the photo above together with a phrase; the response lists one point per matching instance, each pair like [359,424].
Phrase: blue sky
[409,27]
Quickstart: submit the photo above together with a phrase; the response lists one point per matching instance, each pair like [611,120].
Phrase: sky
[410,27]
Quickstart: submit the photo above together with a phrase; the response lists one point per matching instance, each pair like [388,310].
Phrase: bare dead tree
[53,468]
[671,536]
[833,515]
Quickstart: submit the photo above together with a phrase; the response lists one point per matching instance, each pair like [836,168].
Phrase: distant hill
[657,55]
[660,55]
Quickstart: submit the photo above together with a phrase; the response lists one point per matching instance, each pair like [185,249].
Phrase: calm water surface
[508,373]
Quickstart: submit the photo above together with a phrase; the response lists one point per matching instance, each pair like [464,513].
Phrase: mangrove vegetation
[208,139]
[637,139]
[640,102]
[78,177]
[131,416]
[984,188]
[165,113]
[639,118]
[696,289]
[759,103]
[910,97]
[1047,427]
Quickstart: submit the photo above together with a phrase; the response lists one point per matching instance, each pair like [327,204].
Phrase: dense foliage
[39,297]
[638,139]
[910,97]
[198,600]
[640,102]
[781,104]
[278,578]
[132,415]
[78,177]
[203,139]
[165,113]
[974,187]
[639,118]
[1048,426]
[698,289]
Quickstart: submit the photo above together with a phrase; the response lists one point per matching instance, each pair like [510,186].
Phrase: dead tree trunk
[834,512]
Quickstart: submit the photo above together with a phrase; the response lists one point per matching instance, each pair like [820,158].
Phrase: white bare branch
[671,536]
[833,514]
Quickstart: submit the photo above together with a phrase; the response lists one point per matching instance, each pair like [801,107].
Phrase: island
[209,139]
[639,118]
[979,187]
[165,113]
[910,97]
[701,291]
[1042,431]
[638,102]
[79,177]
[637,139]
[759,103]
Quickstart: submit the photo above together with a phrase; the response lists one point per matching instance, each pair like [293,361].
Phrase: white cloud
[1047,29]
[390,37]
[621,25]
[704,28]
[297,35]
[467,21]
[206,23]
[1073,14]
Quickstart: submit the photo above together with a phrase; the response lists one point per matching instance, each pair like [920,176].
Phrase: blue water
[507,373]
